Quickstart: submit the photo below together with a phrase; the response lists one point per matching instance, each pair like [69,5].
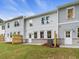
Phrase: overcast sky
[13,8]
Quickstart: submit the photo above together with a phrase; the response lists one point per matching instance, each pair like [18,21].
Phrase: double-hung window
[48,34]
[70,13]
[78,32]
[35,34]
[41,34]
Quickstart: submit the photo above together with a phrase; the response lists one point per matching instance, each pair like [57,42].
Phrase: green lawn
[18,51]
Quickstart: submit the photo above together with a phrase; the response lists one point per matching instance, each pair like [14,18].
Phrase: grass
[18,51]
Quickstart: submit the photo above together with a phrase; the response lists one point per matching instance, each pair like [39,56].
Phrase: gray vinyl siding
[37,26]
[62,16]
[13,29]
[66,26]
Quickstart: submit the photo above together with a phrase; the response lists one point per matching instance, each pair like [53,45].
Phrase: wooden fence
[1,38]
[17,39]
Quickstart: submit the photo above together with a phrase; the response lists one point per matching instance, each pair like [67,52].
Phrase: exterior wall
[65,24]
[1,31]
[13,29]
[38,26]
[57,22]
[68,25]
[62,15]
[75,41]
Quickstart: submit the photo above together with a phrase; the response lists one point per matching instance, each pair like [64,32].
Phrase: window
[7,35]
[47,19]
[11,34]
[29,35]
[42,21]
[3,27]
[16,23]
[8,25]
[41,34]
[4,34]
[18,33]
[30,23]
[49,34]
[78,32]
[14,33]
[35,34]
[67,33]
[70,13]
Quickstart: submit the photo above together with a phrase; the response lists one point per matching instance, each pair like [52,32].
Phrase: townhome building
[2,27]
[14,26]
[40,28]
[68,20]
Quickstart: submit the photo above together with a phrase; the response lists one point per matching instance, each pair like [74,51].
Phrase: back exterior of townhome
[68,19]
[14,26]
[41,27]
[2,27]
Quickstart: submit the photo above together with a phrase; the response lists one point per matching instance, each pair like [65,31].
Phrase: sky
[13,8]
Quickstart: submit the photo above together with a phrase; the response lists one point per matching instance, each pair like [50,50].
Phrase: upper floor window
[16,23]
[70,13]
[8,25]
[42,21]
[30,23]
[45,20]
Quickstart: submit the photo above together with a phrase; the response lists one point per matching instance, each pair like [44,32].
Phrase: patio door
[68,37]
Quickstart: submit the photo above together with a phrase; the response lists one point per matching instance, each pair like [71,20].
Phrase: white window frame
[43,33]
[77,33]
[51,34]
[73,12]
[31,23]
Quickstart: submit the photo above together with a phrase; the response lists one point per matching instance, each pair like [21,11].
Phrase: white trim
[68,22]
[57,23]
[73,11]
[68,38]
[77,32]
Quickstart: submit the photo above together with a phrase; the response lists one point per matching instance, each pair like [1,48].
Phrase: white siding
[1,31]
[13,29]
[38,26]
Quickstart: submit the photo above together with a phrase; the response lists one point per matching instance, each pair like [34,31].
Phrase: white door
[30,40]
[68,37]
